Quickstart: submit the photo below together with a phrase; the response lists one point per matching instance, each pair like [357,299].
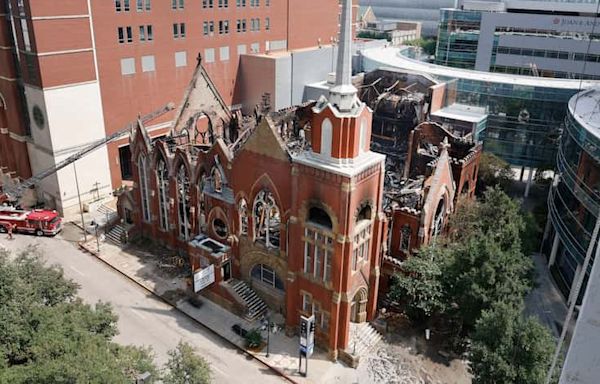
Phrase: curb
[174,306]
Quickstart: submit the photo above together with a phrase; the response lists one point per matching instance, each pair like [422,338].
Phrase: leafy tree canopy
[508,348]
[48,335]
[185,367]
[419,286]
[493,171]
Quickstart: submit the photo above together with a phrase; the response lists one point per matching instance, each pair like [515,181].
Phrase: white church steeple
[343,94]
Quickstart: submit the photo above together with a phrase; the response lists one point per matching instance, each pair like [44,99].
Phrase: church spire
[343,94]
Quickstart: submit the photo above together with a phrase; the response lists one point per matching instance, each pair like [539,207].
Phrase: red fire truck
[38,221]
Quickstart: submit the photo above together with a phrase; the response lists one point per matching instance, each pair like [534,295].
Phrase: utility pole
[80,205]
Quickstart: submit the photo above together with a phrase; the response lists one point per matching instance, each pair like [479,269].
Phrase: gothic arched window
[183,201]
[266,219]
[162,178]
[243,212]
[143,184]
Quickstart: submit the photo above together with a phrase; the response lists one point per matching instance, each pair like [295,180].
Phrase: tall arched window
[266,219]
[201,204]
[318,244]
[162,180]
[405,238]
[363,135]
[183,201]
[362,237]
[438,219]
[243,212]
[143,177]
[326,137]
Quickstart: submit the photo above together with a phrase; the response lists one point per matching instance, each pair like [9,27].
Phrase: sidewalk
[283,350]
[545,300]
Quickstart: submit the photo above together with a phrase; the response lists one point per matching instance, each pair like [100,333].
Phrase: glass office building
[545,38]
[574,201]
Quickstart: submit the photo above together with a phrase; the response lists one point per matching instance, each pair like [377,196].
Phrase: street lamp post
[268,333]
[97,241]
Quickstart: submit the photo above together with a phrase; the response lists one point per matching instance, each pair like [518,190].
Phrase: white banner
[204,277]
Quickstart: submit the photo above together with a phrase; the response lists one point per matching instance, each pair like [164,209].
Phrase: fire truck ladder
[15,192]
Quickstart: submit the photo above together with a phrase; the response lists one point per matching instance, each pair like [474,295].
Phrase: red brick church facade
[290,202]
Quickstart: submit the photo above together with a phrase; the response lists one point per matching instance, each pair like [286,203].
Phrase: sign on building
[204,277]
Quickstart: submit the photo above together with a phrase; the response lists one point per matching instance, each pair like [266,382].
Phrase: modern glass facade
[458,36]
[524,122]
[574,200]
[532,44]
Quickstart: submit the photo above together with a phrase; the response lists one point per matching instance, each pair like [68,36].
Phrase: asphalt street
[143,319]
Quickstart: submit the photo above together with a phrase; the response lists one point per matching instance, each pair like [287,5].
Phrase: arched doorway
[358,307]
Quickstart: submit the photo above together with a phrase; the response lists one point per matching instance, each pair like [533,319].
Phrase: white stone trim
[66,52]
[59,17]
[7,78]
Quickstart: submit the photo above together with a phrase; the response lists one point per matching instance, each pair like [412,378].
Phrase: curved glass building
[574,201]
[526,114]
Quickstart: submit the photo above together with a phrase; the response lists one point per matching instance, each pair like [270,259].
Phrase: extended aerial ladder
[13,193]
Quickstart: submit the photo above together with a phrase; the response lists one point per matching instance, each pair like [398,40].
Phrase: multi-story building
[574,201]
[289,202]
[540,38]
[73,72]
[426,12]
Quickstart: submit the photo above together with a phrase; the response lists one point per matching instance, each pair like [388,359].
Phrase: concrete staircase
[363,338]
[115,235]
[254,305]
[106,212]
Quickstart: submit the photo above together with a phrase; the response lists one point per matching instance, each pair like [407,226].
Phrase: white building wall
[582,364]
[74,119]
[492,20]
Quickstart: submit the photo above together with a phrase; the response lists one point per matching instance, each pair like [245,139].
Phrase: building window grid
[178,30]
[146,33]
[240,3]
[223,27]
[223,3]
[177,4]
[143,5]
[241,25]
[208,28]
[318,247]
[125,34]
[207,3]
[267,23]
[362,245]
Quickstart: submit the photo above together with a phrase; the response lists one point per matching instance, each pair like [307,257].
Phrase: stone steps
[363,338]
[115,235]
[255,306]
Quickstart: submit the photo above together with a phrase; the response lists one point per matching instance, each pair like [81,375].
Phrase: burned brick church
[289,202]
[292,205]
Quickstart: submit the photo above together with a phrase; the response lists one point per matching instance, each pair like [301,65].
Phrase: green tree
[508,348]
[419,286]
[478,272]
[493,171]
[482,261]
[48,335]
[185,367]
